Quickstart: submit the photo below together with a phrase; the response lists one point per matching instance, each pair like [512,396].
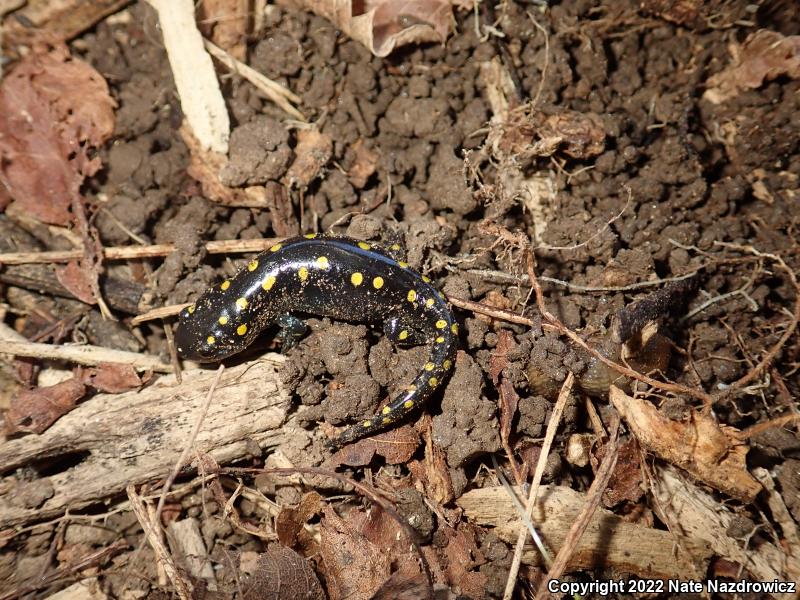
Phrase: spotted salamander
[336,277]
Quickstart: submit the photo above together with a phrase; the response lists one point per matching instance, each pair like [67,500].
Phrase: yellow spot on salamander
[241,303]
[412,388]
[302,273]
[446,365]
[253,265]
[268,283]
[276,247]
[223,320]
[190,309]
[429,302]
[454,327]
[412,295]
[426,279]
[386,410]
[377,283]
[395,247]
[356,278]
[225,285]
[433,382]
[386,420]
[241,329]
[310,236]
[402,264]
[364,245]
[367,424]
[440,340]
[322,262]
[210,340]
[403,335]
[441,324]
[408,403]
[429,366]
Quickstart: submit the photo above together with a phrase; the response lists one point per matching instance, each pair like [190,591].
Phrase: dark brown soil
[673,184]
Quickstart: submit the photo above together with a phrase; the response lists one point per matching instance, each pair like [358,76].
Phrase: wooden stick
[134,252]
[85,355]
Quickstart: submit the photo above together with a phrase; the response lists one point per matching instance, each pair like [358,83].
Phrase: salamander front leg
[291,331]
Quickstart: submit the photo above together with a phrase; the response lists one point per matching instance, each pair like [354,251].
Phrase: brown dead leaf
[626,480]
[461,556]
[314,149]
[279,574]
[56,109]
[290,521]
[383,25]
[225,22]
[112,378]
[699,445]
[433,472]
[396,446]
[509,399]
[364,164]
[77,281]
[763,56]
[35,410]
[355,568]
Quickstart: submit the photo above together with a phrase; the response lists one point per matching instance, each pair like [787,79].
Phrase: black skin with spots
[335,277]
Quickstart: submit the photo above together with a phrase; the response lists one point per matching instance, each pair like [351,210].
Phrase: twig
[772,352]
[134,252]
[151,532]
[497,313]
[176,468]
[549,436]
[271,89]
[593,497]
[564,330]
[503,277]
[85,355]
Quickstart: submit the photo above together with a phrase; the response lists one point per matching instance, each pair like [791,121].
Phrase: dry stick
[133,252]
[71,570]
[503,277]
[366,490]
[770,355]
[593,498]
[176,468]
[85,355]
[675,388]
[272,90]
[549,436]
[182,587]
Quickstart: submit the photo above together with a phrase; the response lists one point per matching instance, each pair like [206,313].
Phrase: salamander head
[203,335]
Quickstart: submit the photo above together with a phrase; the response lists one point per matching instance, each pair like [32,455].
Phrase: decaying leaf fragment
[763,56]
[55,108]
[383,25]
[699,445]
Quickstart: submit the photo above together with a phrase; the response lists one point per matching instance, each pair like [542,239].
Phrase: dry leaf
[291,520]
[383,25]
[699,445]
[77,281]
[112,378]
[35,410]
[396,446]
[355,567]
[55,109]
[279,574]
[313,151]
[461,556]
[364,164]
[763,56]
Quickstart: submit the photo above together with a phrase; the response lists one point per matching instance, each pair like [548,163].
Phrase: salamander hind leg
[291,331]
[401,333]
